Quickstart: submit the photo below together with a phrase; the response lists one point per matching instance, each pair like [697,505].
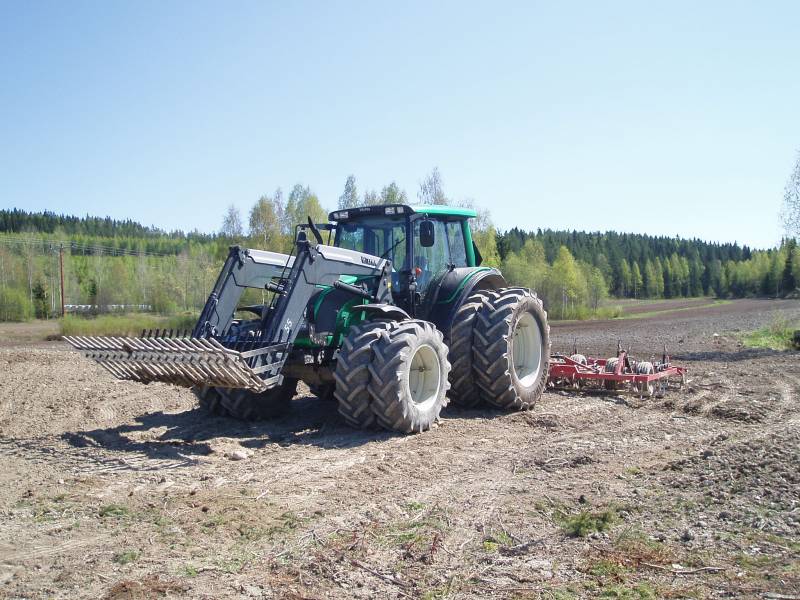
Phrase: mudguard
[388,312]
[453,288]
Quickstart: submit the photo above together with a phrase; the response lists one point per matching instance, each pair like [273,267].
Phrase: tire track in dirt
[15,555]
[62,456]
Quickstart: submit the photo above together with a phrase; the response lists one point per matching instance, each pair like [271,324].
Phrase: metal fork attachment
[187,361]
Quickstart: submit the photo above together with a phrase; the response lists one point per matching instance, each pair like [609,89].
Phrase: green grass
[586,522]
[655,313]
[126,557]
[286,523]
[418,531]
[776,336]
[113,510]
[606,568]
[124,325]
[608,312]
[492,543]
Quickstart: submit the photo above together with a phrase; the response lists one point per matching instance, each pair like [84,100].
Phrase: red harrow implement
[620,374]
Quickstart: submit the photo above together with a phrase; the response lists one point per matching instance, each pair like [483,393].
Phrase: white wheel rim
[526,349]
[424,376]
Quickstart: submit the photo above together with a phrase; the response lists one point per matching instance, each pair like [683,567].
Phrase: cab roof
[350,214]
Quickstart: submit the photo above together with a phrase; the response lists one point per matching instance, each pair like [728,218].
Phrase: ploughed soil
[111,489]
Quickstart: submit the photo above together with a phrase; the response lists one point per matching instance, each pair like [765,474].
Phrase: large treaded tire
[208,398]
[246,405]
[390,386]
[493,349]
[352,373]
[463,391]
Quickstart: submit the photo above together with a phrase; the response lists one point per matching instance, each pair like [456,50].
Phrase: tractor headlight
[389,210]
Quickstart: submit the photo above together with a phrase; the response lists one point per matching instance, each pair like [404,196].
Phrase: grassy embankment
[667,309]
[629,309]
[778,335]
[127,324]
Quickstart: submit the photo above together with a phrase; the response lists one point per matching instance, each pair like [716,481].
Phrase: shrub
[587,522]
[14,305]
[777,336]
[124,325]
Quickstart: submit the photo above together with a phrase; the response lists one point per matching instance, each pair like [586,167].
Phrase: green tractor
[392,317]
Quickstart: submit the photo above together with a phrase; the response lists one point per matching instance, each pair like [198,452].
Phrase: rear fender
[455,287]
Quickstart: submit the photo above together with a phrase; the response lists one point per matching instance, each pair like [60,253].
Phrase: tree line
[16,220]
[643,266]
[112,262]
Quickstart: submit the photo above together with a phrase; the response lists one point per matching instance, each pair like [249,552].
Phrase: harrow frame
[569,374]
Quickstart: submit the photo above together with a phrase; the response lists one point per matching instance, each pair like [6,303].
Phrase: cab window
[378,236]
[455,241]
[429,262]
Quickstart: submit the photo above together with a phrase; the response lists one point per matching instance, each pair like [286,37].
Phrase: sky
[668,118]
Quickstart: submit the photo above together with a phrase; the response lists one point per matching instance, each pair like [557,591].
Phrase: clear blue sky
[665,118]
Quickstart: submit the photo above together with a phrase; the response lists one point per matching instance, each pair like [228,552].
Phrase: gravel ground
[115,490]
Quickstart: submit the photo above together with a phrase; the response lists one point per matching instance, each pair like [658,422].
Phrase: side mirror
[427,237]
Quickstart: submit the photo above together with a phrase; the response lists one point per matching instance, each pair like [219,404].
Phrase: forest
[112,265]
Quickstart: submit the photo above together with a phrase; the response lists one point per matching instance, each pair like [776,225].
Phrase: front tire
[409,376]
[352,373]
[511,349]
[245,405]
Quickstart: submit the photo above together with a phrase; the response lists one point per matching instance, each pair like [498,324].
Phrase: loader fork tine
[185,361]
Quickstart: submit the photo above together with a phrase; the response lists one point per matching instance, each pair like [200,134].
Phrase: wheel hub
[526,349]
[424,375]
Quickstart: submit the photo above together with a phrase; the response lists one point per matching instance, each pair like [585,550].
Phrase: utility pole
[61,268]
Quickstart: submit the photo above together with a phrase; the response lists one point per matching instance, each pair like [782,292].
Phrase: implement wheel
[644,388]
[408,376]
[611,365]
[511,350]
[244,404]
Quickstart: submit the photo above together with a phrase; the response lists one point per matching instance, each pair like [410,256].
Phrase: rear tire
[511,349]
[463,391]
[245,405]
[352,373]
[408,376]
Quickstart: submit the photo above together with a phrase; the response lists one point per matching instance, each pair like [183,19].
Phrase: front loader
[392,320]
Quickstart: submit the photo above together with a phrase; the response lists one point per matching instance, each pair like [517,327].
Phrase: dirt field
[116,490]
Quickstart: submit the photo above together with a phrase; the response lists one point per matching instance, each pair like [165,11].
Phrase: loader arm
[242,269]
[322,265]
[216,354]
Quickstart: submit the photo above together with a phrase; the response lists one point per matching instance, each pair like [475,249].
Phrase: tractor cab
[423,243]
